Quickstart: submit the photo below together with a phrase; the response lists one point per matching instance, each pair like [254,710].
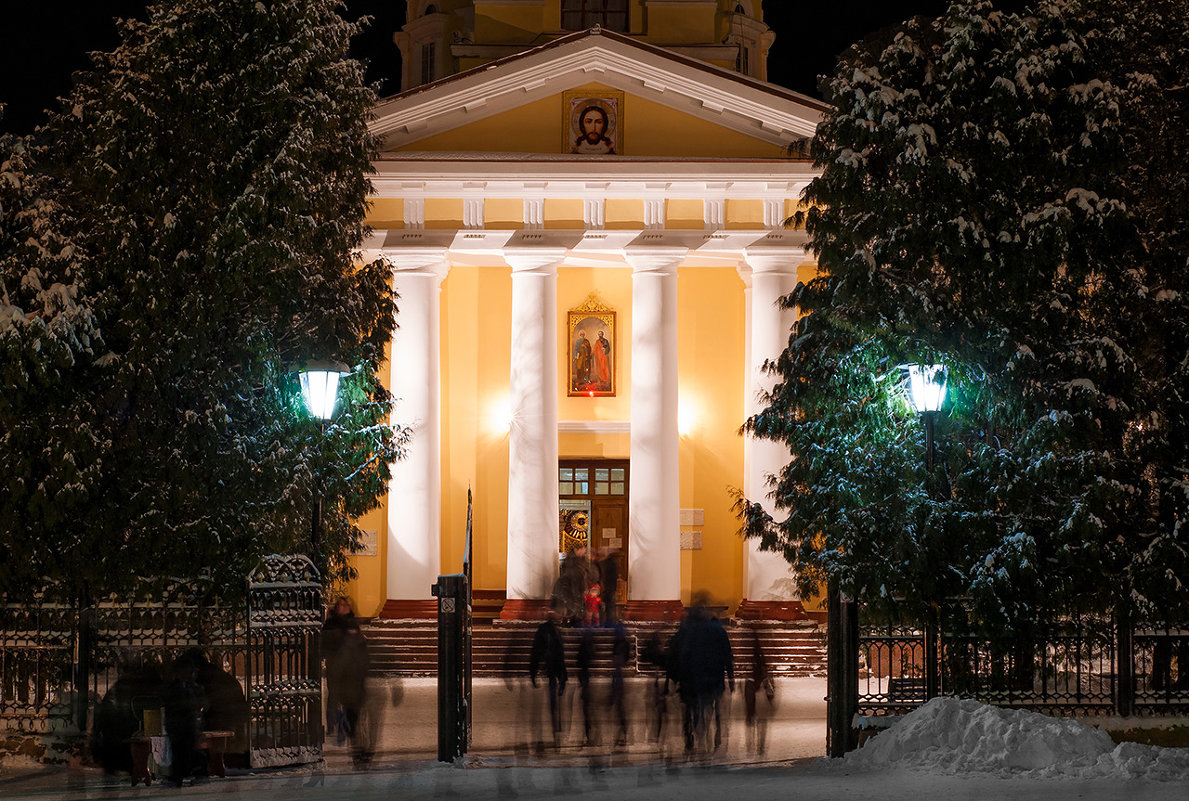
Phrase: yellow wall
[680,24]
[649,129]
[503,213]
[476,363]
[684,214]
[510,24]
[386,212]
[745,214]
[711,329]
[367,590]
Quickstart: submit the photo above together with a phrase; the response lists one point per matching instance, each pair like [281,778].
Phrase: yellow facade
[687,175]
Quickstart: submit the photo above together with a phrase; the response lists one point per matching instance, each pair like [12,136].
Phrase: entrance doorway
[593,500]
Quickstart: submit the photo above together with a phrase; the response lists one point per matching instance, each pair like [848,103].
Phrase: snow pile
[953,735]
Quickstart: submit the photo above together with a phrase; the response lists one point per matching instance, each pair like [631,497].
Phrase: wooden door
[598,487]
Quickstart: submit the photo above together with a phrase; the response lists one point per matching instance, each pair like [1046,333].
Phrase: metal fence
[1076,666]
[60,662]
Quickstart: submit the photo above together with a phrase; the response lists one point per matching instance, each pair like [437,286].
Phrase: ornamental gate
[284,677]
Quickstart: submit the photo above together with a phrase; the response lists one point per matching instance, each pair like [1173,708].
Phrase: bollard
[453,669]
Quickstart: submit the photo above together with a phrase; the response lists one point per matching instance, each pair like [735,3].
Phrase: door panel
[598,487]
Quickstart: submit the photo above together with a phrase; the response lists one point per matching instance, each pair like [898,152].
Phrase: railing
[59,663]
[1069,668]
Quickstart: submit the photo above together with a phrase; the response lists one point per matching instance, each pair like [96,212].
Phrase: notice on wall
[693,517]
[608,533]
[370,543]
[691,540]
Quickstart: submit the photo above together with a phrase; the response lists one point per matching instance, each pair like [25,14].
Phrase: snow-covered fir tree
[971,212]
[48,340]
[213,174]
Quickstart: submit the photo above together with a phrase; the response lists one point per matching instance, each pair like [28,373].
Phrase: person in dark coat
[340,619]
[226,708]
[620,654]
[569,594]
[702,653]
[759,699]
[548,654]
[609,577]
[183,701]
[585,658]
[349,678]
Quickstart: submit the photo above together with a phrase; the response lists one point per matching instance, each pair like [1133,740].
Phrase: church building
[582,202]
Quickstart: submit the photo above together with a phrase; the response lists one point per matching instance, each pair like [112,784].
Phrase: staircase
[407,648]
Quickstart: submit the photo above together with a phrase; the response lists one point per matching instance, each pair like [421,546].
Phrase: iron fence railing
[1075,666]
[59,662]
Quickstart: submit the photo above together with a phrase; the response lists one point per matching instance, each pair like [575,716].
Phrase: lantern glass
[320,390]
[926,387]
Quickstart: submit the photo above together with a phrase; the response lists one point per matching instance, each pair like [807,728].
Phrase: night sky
[42,43]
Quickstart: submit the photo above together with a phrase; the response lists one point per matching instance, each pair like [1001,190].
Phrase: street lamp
[926,384]
[320,391]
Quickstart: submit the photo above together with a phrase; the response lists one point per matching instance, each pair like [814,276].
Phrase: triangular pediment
[685,96]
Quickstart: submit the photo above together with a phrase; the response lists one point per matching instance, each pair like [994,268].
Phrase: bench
[905,689]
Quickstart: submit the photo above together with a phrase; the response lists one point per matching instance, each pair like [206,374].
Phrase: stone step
[410,648]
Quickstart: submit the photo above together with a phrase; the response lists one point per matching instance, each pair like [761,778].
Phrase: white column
[654,551]
[532,445]
[415,491]
[769,275]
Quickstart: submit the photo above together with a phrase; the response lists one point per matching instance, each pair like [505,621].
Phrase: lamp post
[926,384]
[320,390]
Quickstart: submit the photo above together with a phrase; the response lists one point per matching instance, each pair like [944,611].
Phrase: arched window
[431,9]
[577,15]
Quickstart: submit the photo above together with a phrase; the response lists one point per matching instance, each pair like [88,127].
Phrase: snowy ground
[948,749]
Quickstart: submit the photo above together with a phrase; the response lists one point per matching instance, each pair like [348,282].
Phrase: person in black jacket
[549,653]
[183,701]
[701,662]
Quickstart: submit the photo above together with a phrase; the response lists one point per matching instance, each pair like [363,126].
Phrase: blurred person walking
[701,651]
[548,655]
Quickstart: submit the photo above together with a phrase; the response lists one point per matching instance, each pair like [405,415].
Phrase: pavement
[512,744]
[505,764]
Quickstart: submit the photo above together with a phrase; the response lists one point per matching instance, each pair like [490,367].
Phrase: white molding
[414,212]
[594,427]
[594,213]
[749,106]
[472,212]
[714,213]
[654,212]
[438,176]
[534,213]
[773,212]
[599,249]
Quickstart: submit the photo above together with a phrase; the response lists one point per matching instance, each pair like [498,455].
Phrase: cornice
[748,106]
[586,248]
[582,179]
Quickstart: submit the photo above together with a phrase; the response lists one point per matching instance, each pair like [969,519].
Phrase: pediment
[699,96]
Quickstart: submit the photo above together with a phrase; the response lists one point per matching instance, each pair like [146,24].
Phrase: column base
[525,609]
[770,610]
[409,609]
[653,611]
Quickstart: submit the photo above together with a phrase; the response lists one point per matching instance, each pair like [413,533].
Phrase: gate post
[1124,669]
[453,666]
[932,653]
[842,673]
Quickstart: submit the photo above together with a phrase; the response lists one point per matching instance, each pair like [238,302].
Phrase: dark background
[46,41]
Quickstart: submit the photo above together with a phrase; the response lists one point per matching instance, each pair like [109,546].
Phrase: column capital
[644,259]
[426,260]
[783,260]
[533,259]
